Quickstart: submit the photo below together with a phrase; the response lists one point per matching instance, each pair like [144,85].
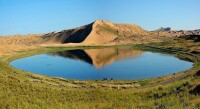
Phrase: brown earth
[97,33]
[10,44]
[10,49]
[103,32]
[22,39]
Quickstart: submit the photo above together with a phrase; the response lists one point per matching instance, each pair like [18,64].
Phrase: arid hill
[99,32]
[76,35]
[102,32]
[22,39]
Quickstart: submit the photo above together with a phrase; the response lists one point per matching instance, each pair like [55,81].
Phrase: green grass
[19,89]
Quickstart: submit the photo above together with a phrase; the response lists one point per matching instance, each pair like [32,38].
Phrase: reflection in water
[74,54]
[100,57]
[96,64]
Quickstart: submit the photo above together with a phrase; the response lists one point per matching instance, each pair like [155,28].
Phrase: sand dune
[97,33]
[22,39]
[10,49]
[103,32]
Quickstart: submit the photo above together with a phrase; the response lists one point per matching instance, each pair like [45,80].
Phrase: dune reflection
[100,57]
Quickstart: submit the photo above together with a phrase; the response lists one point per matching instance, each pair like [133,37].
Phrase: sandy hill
[97,33]
[22,39]
[76,35]
[102,32]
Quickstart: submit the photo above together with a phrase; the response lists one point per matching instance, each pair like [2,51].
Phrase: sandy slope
[103,32]
[97,33]
[10,44]
[22,39]
[10,49]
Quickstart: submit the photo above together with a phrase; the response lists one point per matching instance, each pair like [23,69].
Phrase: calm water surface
[122,63]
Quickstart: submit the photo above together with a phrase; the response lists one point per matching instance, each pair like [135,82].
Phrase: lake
[118,63]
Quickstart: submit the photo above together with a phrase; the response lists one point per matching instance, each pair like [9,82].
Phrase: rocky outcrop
[168,29]
[174,33]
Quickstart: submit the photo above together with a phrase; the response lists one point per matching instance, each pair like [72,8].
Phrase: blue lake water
[122,63]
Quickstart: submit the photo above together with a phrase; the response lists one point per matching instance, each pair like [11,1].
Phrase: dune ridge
[103,32]
[99,32]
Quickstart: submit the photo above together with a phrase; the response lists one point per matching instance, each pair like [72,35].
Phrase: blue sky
[43,16]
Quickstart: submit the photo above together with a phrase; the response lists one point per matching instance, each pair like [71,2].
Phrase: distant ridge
[167,29]
[176,33]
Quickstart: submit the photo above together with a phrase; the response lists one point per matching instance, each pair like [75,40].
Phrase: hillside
[22,39]
[75,35]
[102,32]
[97,33]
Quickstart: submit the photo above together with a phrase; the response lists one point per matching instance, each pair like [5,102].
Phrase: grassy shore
[20,89]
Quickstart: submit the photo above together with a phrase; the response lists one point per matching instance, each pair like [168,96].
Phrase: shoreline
[39,87]
[49,49]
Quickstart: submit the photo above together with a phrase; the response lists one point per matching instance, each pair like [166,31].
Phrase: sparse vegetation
[20,89]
